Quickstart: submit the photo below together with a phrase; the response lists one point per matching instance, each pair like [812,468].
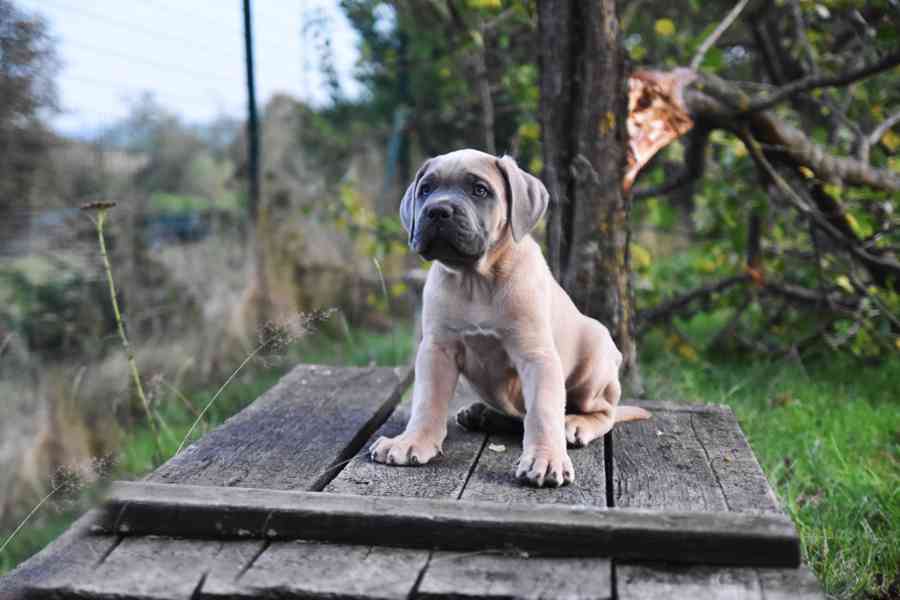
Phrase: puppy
[494,314]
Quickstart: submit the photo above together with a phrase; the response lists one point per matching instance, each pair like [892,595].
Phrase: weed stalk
[100,221]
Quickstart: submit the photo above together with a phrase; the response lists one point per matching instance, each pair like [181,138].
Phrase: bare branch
[717,33]
[814,81]
[881,266]
[694,165]
[665,310]
[722,103]
[877,133]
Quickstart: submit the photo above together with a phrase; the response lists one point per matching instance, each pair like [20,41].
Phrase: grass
[140,447]
[828,438]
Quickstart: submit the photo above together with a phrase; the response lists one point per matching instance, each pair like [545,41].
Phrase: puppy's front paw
[404,450]
[541,466]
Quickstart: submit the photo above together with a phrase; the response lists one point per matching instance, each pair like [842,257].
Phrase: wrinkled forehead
[464,165]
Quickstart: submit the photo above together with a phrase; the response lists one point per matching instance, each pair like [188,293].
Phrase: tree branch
[717,33]
[815,81]
[667,309]
[723,104]
[877,133]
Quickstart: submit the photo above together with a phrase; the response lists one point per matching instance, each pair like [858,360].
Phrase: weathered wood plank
[200,511]
[444,477]
[289,567]
[313,569]
[493,479]
[790,584]
[660,463]
[638,582]
[515,576]
[140,568]
[75,550]
[694,458]
[296,435]
[737,471]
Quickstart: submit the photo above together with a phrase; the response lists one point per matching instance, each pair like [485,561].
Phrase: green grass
[827,436]
[138,454]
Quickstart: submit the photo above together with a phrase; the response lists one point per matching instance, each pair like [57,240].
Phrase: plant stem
[120,324]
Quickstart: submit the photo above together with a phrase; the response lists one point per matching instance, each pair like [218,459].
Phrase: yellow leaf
[891,140]
[687,352]
[485,4]
[665,27]
[740,149]
[398,289]
[535,166]
[854,224]
[897,342]
[807,172]
[844,282]
[640,256]
[833,190]
[530,130]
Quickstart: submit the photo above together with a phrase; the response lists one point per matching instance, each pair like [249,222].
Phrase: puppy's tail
[631,413]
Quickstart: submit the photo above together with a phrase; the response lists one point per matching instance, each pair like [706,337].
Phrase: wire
[116,86]
[268,42]
[168,67]
[134,28]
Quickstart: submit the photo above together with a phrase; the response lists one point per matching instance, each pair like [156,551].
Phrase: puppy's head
[461,205]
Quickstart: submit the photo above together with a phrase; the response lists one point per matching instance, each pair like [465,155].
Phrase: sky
[189,54]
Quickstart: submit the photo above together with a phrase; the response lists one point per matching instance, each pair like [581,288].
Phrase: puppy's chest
[483,340]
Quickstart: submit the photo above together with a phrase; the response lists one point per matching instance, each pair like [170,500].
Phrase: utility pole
[252,118]
[258,218]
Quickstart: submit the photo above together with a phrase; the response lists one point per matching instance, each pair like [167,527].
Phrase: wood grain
[73,552]
[316,570]
[139,508]
[294,435]
[695,458]
[364,571]
[444,477]
[141,567]
[515,576]
[493,479]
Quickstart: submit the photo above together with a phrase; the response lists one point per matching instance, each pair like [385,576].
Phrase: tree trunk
[583,119]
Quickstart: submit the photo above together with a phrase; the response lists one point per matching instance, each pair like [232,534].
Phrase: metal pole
[252,119]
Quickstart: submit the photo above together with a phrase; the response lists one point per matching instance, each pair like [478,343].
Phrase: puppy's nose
[441,211]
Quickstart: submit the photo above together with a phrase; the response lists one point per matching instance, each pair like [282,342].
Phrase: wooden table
[282,501]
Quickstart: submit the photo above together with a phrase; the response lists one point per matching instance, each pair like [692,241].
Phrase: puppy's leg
[598,418]
[544,459]
[604,412]
[436,376]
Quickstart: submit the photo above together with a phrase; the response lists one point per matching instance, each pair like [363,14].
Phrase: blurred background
[739,300]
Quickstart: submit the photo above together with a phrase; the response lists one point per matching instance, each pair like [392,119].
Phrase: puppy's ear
[526,196]
[408,204]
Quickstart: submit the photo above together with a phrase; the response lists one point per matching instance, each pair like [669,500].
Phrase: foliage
[420,64]
[27,66]
[804,288]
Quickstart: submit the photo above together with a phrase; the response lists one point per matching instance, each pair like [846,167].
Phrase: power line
[232,27]
[135,28]
[168,67]
[117,86]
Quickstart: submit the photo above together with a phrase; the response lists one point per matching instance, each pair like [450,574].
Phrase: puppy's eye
[424,189]
[481,191]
